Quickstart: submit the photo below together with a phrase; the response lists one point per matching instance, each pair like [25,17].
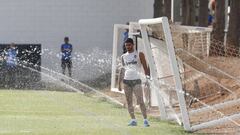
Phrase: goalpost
[174,67]
[196,89]
[116,31]
[189,83]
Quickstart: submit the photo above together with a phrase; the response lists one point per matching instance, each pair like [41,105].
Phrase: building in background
[88,23]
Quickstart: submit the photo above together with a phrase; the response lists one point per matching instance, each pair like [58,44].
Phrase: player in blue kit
[11,65]
[66,50]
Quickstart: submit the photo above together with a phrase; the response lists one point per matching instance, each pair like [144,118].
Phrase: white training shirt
[131,64]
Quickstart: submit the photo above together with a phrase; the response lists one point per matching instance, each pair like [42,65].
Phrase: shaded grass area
[63,113]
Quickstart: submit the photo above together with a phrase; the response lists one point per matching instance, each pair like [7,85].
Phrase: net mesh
[209,75]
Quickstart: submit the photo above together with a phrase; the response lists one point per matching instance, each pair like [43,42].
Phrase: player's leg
[63,65]
[69,65]
[137,89]
[9,77]
[14,77]
[129,97]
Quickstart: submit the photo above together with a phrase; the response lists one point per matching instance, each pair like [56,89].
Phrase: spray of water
[57,76]
[86,65]
[73,108]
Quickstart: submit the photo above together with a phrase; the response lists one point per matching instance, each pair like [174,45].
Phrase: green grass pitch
[64,113]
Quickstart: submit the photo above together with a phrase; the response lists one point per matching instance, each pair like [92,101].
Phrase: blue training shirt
[66,51]
[11,57]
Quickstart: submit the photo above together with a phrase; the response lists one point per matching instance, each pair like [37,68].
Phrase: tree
[218,28]
[162,8]
[158,8]
[203,13]
[234,25]
[189,12]
[167,8]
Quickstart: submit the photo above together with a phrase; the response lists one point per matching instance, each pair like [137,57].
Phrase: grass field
[63,113]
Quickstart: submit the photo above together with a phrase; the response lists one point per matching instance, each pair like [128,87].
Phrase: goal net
[196,76]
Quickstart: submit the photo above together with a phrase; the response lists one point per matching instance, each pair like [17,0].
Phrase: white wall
[88,23]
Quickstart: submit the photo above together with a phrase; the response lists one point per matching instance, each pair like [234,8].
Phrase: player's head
[129,45]
[66,40]
[12,45]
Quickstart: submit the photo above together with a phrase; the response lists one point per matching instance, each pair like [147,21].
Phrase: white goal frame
[173,62]
[158,93]
[163,21]
[116,31]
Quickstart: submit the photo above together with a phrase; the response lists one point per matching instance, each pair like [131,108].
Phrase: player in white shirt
[130,75]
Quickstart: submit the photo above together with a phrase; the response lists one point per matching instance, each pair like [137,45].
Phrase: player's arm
[71,48]
[62,49]
[144,64]
[121,75]
[5,54]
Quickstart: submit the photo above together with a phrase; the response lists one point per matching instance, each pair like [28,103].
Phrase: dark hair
[129,40]
[66,38]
